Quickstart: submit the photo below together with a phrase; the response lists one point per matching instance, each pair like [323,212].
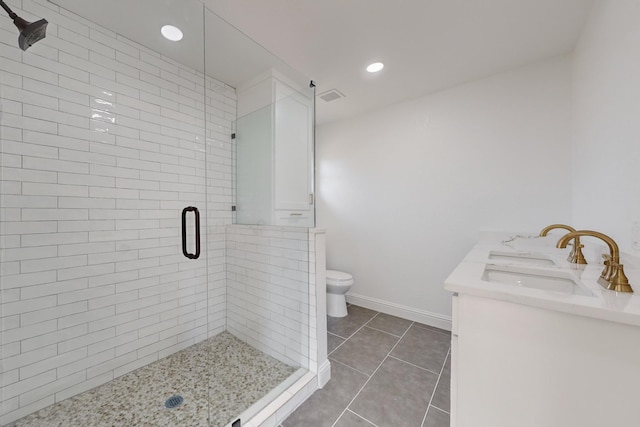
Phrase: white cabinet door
[274,164]
[293,153]
[516,365]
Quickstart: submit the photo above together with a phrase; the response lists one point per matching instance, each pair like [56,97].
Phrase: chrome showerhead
[30,32]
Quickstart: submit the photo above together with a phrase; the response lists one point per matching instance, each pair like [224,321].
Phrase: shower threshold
[218,378]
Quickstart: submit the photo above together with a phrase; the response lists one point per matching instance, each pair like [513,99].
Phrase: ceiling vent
[331,95]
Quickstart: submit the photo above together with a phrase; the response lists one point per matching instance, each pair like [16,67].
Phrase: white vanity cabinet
[274,152]
[523,365]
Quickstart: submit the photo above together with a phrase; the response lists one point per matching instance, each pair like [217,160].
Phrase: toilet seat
[339,278]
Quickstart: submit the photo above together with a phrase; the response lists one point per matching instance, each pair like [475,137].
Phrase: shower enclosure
[133,288]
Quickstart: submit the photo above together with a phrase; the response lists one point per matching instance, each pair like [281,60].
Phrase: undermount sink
[537,279]
[521,258]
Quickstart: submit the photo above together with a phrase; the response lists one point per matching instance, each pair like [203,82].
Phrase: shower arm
[11,13]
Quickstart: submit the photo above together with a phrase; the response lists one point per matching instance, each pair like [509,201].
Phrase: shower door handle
[184,232]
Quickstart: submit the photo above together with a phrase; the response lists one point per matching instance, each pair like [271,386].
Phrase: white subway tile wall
[104,142]
[268,290]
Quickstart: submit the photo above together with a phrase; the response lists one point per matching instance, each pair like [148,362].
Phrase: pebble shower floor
[218,378]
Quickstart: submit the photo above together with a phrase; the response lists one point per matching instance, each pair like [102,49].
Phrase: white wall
[403,191]
[606,121]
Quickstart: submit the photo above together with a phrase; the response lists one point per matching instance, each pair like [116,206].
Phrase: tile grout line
[350,367]
[350,336]
[372,374]
[361,417]
[344,340]
[334,334]
[424,418]
[339,336]
[433,329]
[416,366]
[440,409]
[380,330]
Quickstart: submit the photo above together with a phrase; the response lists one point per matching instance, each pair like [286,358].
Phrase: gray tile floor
[385,371]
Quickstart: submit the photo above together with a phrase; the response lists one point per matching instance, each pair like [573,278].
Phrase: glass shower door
[265,346]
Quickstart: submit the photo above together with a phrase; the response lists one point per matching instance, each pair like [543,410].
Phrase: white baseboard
[410,313]
[324,374]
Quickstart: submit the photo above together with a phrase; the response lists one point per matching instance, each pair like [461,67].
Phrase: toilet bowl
[338,283]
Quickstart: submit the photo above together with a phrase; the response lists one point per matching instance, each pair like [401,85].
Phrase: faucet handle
[576,256]
[572,253]
[608,270]
[619,282]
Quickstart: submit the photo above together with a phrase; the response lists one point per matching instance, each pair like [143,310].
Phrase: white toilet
[338,283]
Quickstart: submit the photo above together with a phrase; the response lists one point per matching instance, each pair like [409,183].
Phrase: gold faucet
[576,256]
[613,273]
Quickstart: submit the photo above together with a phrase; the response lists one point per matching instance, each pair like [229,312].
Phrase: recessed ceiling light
[171,33]
[375,67]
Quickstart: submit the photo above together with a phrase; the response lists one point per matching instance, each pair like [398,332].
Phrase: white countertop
[603,304]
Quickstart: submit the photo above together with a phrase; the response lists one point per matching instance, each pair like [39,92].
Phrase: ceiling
[210,44]
[426,45]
